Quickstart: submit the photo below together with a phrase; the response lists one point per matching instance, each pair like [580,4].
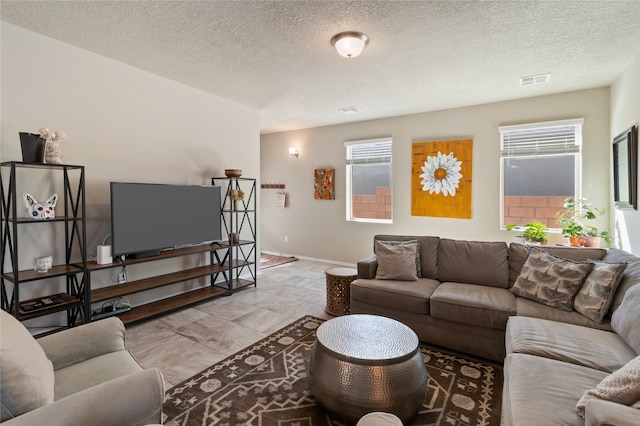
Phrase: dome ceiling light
[349,43]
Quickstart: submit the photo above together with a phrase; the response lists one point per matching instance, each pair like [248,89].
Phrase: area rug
[270,260]
[266,385]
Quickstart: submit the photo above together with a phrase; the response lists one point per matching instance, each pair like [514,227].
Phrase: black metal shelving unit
[70,212]
[239,218]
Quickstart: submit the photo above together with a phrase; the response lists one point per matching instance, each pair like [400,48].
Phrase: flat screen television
[147,218]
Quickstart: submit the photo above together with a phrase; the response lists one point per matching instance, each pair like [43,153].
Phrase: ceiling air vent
[531,80]
[350,110]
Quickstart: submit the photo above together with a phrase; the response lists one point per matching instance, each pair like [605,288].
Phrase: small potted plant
[534,233]
[575,228]
[572,230]
[237,195]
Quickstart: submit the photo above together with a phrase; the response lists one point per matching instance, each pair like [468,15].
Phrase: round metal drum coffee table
[365,363]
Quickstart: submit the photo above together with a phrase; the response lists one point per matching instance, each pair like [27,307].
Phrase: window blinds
[549,138]
[374,151]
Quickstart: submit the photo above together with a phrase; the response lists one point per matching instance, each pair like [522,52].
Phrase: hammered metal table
[338,290]
[365,363]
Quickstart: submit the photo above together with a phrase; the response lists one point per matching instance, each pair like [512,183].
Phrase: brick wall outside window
[522,209]
[376,206]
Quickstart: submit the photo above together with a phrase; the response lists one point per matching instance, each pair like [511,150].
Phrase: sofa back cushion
[474,262]
[626,319]
[427,248]
[27,379]
[630,276]
[518,254]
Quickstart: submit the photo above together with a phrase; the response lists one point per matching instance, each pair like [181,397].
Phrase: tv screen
[147,218]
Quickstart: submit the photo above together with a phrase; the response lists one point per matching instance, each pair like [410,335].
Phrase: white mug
[42,263]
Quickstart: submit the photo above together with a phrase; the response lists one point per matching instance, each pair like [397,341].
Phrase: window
[539,168]
[369,180]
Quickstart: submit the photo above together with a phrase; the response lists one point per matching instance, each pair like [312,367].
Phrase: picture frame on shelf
[625,169]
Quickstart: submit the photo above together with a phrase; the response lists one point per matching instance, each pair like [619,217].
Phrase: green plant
[535,231]
[582,210]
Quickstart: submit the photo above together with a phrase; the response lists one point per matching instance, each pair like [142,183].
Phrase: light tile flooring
[186,342]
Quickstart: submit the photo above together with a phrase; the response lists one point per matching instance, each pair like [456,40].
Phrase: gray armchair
[80,376]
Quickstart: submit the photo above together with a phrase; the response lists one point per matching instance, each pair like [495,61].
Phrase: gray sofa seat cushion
[542,391]
[567,342]
[473,304]
[407,296]
[77,377]
[474,262]
[518,254]
[626,319]
[530,308]
[427,246]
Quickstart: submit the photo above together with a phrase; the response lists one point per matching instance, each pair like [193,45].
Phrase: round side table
[338,290]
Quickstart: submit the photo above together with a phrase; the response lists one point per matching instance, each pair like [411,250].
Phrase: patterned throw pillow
[550,280]
[399,243]
[396,262]
[596,294]
[621,387]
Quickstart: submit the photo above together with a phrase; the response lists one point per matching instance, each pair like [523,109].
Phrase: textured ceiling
[422,56]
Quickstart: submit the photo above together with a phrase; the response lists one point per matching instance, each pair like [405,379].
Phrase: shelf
[170,304]
[22,220]
[31,275]
[41,165]
[238,283]
[68,302]
[137,286]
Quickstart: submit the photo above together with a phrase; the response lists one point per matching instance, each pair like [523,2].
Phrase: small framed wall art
[324,184]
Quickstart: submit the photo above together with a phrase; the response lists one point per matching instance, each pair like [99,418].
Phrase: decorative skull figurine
[40,210]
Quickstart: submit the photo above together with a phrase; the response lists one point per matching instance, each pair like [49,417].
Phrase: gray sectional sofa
[482,298]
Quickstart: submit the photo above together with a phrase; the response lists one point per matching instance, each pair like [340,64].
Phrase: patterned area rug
[270,260]
[266,384]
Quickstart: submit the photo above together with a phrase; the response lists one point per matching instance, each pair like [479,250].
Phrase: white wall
[318,229]
[625,112]
[124,124]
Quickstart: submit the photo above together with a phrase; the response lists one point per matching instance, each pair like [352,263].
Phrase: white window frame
[380,156]
[541,142]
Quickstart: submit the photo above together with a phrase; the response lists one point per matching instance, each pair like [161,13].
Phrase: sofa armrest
[135,399]
[600,413]
[78,344]
[367,268]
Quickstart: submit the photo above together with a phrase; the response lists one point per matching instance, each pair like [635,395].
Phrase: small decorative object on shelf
[233,172]
[32,146]
[52,151]
[44,210]
[42,263]
[238,196]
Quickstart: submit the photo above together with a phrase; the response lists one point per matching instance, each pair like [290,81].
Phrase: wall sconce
[293,152]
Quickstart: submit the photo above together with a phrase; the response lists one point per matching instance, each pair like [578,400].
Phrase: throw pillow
[397,262]
[550,280]
[596,294]
[620,387]
[410,242]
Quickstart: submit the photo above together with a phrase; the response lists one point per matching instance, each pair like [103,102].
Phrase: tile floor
[186,342]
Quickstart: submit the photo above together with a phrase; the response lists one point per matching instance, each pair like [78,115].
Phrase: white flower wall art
[441,178]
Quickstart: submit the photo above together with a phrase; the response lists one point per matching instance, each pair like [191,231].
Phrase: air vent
[532,80]
[350,110]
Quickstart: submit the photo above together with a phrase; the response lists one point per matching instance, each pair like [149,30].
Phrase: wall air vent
[350,110]
[532,80]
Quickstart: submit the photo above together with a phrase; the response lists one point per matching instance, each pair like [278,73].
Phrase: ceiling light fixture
[349,43]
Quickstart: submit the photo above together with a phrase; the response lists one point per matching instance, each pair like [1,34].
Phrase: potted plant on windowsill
[575,228]
[534,233]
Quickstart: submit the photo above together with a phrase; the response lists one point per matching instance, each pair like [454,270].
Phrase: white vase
[53,153]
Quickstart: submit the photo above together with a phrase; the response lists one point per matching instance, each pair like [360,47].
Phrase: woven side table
[364,363]
[338,290]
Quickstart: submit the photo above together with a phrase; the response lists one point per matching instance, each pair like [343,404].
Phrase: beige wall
[625,112]
[318,229]
[124,124]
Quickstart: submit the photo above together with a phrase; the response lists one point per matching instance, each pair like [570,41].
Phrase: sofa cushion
[401,243]
[473,304]
[399,295]
[630,277]
[518,254]
[27,379]
[597,291]
[542,391]
[622,387]
[396,262]
[550,280]
[626,319]
[428,251]
[474,262]
[530,308]
[566,342]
